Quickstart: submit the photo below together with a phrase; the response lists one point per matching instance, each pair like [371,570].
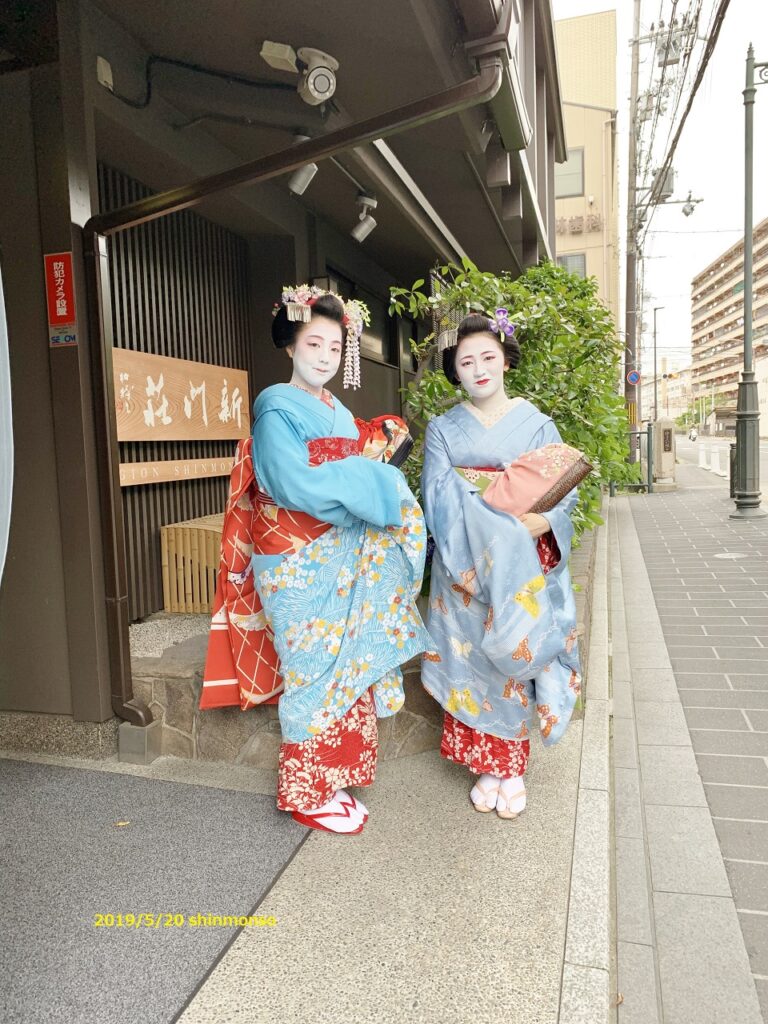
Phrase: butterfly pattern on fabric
[526,596]
[459,648]
[458,699]
[488,585]
[523,652]
[514,688]
[546,718]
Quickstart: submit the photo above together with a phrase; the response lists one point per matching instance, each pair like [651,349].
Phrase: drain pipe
[479,89]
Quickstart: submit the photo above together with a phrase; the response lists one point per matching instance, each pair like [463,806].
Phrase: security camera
[317,83]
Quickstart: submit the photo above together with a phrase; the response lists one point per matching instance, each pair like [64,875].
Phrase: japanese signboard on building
[60,296]
[158,398]
[577,225]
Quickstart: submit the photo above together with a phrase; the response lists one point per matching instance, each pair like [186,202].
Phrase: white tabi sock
[512,794]
[485,791]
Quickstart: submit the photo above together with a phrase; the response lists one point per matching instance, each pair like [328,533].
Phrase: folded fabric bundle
[385,439]
[535,482]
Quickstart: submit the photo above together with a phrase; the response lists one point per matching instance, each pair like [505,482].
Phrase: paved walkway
[434,914]
[699,631]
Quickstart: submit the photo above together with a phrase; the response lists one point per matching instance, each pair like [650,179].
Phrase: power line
[709,48]
[660,93]
[694,231]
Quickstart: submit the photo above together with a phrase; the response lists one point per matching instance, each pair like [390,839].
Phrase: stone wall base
[170,685]
[58,734]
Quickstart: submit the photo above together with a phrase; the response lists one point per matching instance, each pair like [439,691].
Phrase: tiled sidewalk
[709,577]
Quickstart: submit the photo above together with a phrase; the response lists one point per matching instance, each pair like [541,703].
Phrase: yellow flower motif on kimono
[526,595]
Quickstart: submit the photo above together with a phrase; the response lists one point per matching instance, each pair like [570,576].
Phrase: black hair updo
[284,331]
[476,323]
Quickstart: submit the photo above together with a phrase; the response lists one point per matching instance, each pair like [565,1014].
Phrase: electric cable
[704,62]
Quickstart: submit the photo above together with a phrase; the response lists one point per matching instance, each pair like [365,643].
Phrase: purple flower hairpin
[500,322]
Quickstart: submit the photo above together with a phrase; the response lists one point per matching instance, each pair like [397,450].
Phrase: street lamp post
[655,373]
[747,407]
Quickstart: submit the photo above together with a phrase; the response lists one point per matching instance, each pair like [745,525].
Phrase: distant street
[688,452]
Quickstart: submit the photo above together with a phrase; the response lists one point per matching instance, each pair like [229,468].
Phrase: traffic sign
[633,377]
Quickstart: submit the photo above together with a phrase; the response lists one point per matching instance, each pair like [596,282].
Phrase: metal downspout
[479,89]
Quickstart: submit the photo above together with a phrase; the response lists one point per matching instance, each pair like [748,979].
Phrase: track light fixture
[366,223]
[300,180]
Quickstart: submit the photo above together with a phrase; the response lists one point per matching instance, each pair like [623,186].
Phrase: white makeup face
[480,365]
[316,353]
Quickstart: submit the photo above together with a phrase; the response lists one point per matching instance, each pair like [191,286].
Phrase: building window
[574,263]
[569,177]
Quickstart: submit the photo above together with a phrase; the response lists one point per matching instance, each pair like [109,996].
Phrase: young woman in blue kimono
[339,546]
[503,621]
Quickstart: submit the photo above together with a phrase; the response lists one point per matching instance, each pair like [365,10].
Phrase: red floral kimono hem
[344,754]
[481,752]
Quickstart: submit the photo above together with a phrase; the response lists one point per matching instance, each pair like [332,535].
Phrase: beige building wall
[586,207]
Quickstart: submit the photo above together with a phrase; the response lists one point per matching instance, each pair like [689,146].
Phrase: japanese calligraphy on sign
[578,225]
[158,398]
[60,295]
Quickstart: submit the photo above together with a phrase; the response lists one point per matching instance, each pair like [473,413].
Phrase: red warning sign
[60,293]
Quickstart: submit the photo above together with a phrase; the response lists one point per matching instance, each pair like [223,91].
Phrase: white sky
[709,158]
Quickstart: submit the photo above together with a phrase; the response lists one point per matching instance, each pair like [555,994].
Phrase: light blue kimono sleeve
[444,495]
[335,492]
[559,517]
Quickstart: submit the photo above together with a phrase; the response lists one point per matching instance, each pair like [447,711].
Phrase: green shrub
[570,366]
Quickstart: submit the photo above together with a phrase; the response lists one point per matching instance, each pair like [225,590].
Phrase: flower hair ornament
[499,324]
[298,301]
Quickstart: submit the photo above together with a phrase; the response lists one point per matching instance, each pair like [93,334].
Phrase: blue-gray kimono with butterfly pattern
[505,632]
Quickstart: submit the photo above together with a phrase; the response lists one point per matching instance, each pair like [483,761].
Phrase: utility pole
[655,374]
[631,391]
[747,408]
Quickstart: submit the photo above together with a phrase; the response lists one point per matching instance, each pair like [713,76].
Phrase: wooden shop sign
[133,474]
[158,398]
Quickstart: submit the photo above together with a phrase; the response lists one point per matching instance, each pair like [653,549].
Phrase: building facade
[672,390]
[717,320]
[109,105]
[586,185]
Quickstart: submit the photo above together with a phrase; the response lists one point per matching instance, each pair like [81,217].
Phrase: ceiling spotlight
[300,180]
[366,223]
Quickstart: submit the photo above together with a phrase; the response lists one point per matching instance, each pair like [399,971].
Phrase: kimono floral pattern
[481,752]
[344,755]
[342,612]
